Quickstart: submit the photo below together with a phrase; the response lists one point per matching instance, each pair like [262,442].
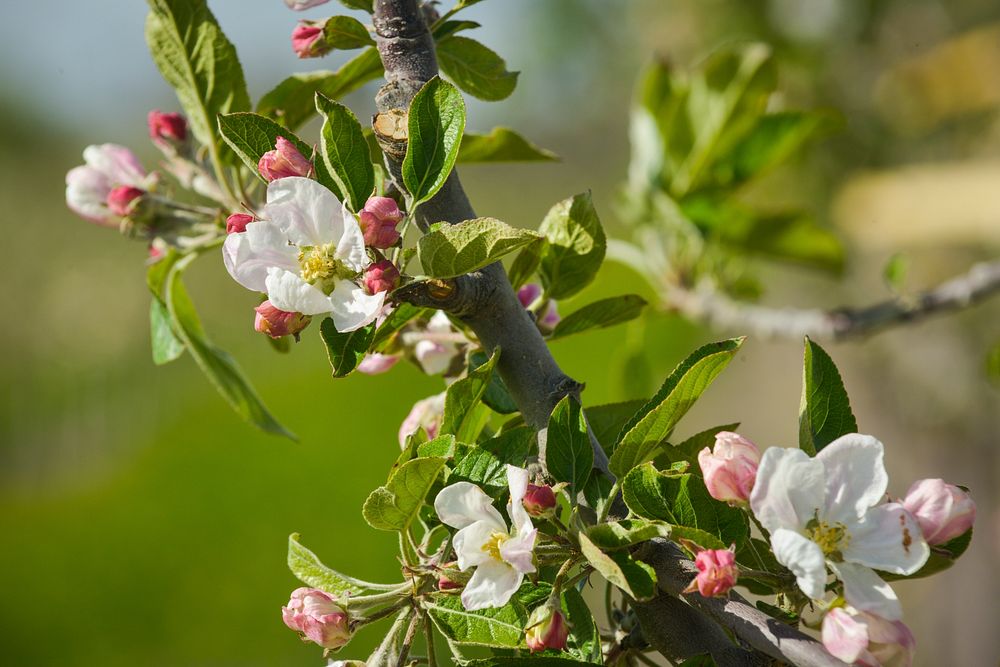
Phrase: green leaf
[346,32]
[502,144]
[453,250]
[308,569]
[682,501]
[166,345]
[344,152]
[195,57]
[894,272]
[634,577]
[443,446]
[292,102]
[526,263]
[345,350]
[568,454]
[475,69]
[496,398]
[575,249]
[584,638]
[399,318]
[625,533]
[443,29]
[461,399]
[364,5]
[702,538]
[499,627]
[600,314]
[486,465]
[395,505]
[251,135]
[606,421]
[217,365]
[642,434]
[598,492]
[435,126]
[825,411]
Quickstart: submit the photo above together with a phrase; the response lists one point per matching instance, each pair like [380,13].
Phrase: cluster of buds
[717,572]
[730,468]
[546,628]
[109,186]
[317,617]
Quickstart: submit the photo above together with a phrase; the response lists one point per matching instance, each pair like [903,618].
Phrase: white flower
[307,254]
[824,511]
[107,166]
[501,557]
[436,348]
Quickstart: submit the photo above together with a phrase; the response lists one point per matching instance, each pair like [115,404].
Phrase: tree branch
[706,304]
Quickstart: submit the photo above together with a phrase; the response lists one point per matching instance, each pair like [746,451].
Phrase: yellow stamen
[831,538]
[492,545]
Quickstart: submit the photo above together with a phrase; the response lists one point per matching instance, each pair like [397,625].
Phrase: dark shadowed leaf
[825,411]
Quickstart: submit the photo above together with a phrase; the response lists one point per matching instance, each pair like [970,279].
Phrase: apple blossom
[546,628]
[167,130]
[943,511]
[436,350]
[318,617]
[120,199]
[108,166]
[500,555]
[377,363]
[717,572]
[283,162]
[307,255]
[527,296]
[277,323]
[299,5]
[426,414]
[378,219]
[730,468]
[866,639]
[539,500]
[382,276]
[307,40]
[237,222]
[825,511]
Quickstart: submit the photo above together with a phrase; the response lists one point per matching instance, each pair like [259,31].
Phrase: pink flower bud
[318,617]
[943,511]
[863,638]
[527,296]
[299,5]
[307,40]
[168,128]
[237,223]
[285,160]
[378,220]
[539,500]
[717,572]
[731,469]
[120,199]
[277,323]
[382,276]
[425,414]
[89,186]
[546,628]
[448,579]
[375,363]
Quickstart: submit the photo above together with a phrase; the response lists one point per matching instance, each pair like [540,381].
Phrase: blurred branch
[705,303]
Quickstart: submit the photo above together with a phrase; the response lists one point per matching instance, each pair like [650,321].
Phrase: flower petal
[118,163]
[87,194]
[888,538]
[855,476]
[804,558]
[492,585]
[351,246]
[844,636]
[463,503]
[788,490]
[470,540]
[351,307]
[305,210]
[517,551]
[866,591]
[287,291]
[517,482]
[248,255]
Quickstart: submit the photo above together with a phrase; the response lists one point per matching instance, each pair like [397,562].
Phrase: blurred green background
[143,523]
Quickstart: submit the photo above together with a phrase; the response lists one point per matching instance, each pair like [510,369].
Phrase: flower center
[319,266]
[492,545]
[831,538]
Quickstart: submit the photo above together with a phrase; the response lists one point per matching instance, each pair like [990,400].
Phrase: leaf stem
[615,489]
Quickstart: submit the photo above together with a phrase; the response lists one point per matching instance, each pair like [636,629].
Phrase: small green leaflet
[625,533]
[308,569]
[642,435]
[395,505]
[575,248]
[345,154]
[606,421]
[454,250]
[497,398]
[502,144]
[632,576]
[486,465]
[526,263]
[568,454]
[435,127]
[499,627]
[345,350]
[346,32]
[363,5]
[476,69]
[600,314]
[166,346]
[825,411]
[251,135]
[462,399]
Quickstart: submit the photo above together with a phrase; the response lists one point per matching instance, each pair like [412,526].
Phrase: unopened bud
[376,363]
[943,510]
[528,294]
[167,128]
[285,160]
[237,223]
[378,220]
[546,628]
[717,572]
[730,469]
[539,500]
[317,616]
[307,40]
[120,199]
[449,578]
[277,323]
[382,276]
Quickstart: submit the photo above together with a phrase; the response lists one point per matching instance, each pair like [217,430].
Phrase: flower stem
[615,488]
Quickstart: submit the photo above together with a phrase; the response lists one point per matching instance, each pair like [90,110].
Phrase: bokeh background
[143,523]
